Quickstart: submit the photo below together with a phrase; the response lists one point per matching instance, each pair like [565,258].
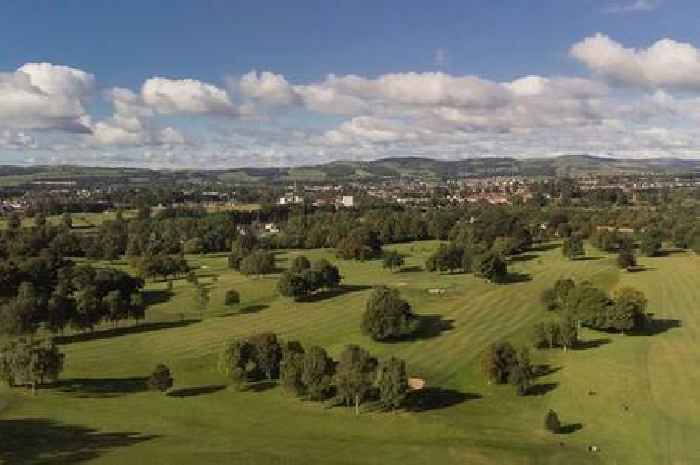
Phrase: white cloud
[189,96]
[267,87]
[665,64]
[633,7]
[44,96]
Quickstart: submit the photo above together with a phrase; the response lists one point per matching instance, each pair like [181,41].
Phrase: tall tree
[354,375]
[392,382]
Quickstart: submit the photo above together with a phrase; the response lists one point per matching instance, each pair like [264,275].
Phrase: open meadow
[634,397]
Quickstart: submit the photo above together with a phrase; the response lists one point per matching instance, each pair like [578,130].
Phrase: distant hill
[343,171]
[427,168]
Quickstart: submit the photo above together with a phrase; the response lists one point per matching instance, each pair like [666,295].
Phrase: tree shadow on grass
[123,331]
[541,389]
[544,247]
[249,309]
[430,326]
[261,386]
[592,343]
[657,326]
[570,428]
[435,398]
[526,257]
[329,294]
[515,277]
[100,387]
[40,441]
[154,297]
[545,370]
[196,391]
[587,258]
[410,269]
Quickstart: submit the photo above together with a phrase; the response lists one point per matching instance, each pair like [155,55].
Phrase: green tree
[572,247]
[161,379]
[300,264]
[552,423]
[330,274]
[650,245]
[234,359]
[317,373]
[232,297]
[491,267]
[387,315]
[392,382]
[258,263]
[354,376]
[626,260]
[393,260]
[266,354]
[291,369]
[628,310]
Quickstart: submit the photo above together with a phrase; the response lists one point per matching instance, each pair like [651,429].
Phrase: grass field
[98,415]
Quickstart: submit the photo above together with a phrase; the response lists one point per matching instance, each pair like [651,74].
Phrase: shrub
[232,297]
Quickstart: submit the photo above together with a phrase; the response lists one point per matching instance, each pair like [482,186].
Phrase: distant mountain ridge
[395,167]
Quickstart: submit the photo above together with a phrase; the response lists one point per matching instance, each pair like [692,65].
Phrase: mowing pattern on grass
[632,396]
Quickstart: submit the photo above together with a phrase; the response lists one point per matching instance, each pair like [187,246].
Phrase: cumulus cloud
[189,96]
[267,87]
[45,96]
[131,123]
[665,64]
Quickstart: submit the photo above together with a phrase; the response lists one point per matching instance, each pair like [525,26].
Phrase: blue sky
[172,84]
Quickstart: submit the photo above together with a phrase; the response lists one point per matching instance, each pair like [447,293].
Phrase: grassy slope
[653,375]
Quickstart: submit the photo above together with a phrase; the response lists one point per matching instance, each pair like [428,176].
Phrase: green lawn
[99,416]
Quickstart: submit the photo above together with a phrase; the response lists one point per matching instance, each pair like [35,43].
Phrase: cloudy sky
[211,84]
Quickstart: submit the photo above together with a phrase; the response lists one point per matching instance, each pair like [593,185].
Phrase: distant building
[347,201]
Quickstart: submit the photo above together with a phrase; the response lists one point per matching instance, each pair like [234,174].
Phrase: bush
[232,297]
[161,379]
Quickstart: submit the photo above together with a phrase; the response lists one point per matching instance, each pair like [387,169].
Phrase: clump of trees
[304,278]
[491,267]
[501,363]
[30,362]
[387,316]
[313,375]
[586,305]
[361,243]
[165,266]
[258,263]
[79,296]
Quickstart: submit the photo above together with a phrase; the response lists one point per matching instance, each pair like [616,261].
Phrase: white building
[347,201]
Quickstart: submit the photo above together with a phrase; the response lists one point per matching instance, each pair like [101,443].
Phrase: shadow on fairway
[541,389]
[570,428]
[515,277]
[39,441]
[154,297]
[435,398]
[341,290]
[544,247]
[545,370]
[123,331]
[250,309]
[196,391]
[261,386]
[592,343]
[526,257]
[100,387]
[658,326]
[588,259]
[430,326]
[410,269]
